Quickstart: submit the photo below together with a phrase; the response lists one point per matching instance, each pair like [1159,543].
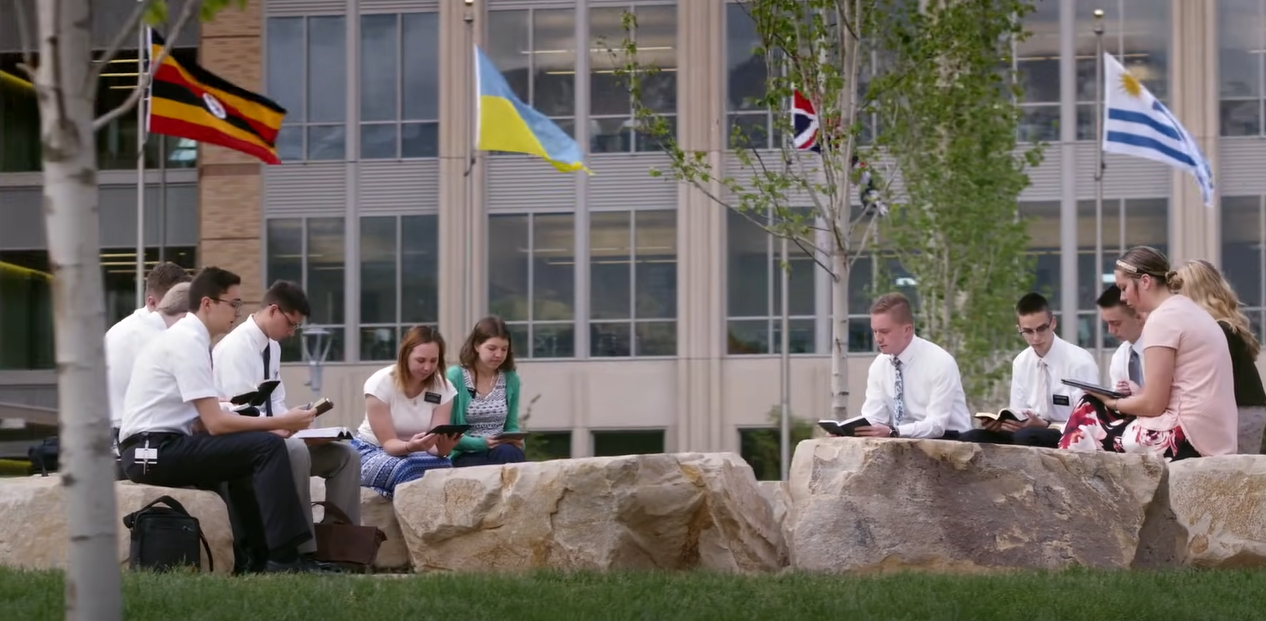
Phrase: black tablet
[1095,389]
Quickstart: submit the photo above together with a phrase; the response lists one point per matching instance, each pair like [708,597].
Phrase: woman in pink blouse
[1186,405]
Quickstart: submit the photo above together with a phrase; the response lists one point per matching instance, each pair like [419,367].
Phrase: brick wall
[229,183]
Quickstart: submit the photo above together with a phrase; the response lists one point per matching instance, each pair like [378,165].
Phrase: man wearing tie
[1126,325]
[914,389]
[1036,389]
[251,354]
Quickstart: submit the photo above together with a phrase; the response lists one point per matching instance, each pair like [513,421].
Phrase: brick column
[230,187]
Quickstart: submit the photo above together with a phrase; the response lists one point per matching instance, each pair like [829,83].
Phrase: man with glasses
[1036,389]
[251,354]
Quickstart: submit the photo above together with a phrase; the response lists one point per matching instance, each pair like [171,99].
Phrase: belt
[155,438]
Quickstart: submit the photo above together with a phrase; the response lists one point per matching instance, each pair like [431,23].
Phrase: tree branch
[142,85]
[24,39]
[129,27]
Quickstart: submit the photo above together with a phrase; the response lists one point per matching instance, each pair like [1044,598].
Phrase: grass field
[1067,596]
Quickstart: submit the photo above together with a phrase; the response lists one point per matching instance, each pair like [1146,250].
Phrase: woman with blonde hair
[1185,406]
[1204,284]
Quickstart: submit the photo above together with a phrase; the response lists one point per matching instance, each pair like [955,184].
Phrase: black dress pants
[250,469]
[1029,436]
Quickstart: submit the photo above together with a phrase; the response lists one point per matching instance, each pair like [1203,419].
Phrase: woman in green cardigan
[487,398]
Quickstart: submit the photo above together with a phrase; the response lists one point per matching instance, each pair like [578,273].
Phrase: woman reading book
[403,402]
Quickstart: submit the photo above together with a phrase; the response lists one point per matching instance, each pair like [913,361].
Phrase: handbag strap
[332,509]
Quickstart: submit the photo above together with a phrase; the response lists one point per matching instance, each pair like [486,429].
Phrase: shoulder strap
[206,547]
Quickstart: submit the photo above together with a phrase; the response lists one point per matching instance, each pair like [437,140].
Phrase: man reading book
[914,389]
[1037,394]
[251,354]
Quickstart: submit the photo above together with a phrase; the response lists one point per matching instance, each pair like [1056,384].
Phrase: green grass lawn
[1067,596]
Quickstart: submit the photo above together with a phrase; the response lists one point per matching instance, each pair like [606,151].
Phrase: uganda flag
[187,101]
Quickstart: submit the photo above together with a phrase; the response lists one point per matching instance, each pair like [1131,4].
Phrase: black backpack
[43,456]
[165,538]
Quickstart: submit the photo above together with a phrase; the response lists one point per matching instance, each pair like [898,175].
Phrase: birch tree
[65,73]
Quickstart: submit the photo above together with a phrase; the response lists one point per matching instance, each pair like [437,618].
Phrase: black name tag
[432,397]
[1060,399]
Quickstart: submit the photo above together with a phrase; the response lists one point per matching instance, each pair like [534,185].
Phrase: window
[307,75]
[548,445]
[1242,65]
[399,86]
[633,283]
[1126,223]
[761,447]
[532,281]
[628,442]
[746,73]
[399,288]
[535,49]
[1244,253]
[1044,246]
[1037,66]
[1138,33]
[26,286]
[116,142]
[754,276]
[612,125]
[309,251]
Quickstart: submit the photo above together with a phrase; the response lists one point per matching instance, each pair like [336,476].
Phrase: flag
[1135,123]
[504,123]
[187,101]
[804,122]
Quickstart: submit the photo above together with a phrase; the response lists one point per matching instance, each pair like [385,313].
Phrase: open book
[248,403]
[324,433]
[1003,415]
[845,428]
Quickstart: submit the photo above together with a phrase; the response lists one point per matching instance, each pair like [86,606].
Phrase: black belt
[156,438]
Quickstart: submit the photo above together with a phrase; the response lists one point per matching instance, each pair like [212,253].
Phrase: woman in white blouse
[403,402]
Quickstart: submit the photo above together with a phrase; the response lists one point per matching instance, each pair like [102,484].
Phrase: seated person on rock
[914,389]
[172,396]
[1036,389]
[1186,405]
[403,402]
[1126,325]
[487,397]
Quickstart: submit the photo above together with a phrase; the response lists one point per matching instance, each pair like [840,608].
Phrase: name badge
[1060,399]
[432,397]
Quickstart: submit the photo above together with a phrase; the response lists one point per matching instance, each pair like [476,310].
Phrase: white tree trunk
[66,95]
[839,333]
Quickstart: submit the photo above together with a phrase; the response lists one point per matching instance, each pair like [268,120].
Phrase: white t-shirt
[169,375]
[410,416]
[123,343]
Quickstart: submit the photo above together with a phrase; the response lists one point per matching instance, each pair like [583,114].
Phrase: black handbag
[166,537]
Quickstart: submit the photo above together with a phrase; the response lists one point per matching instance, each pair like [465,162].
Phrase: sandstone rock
[863,505]
[374,511]
[663,511]
[1220,502]
[777,493]
[33,521]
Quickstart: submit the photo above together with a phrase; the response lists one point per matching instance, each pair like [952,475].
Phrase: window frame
[304,128]
[399,326]
[399,122]
[633,321]
[338,331]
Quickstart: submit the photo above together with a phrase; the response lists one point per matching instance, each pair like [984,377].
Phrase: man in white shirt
[251,354]
[172,395]
[1036,387]
[914,389]
[121,342]
[1126,324]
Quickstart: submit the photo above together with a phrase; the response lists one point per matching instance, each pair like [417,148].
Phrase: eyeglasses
[236,304]
[294,325]
[1042,329]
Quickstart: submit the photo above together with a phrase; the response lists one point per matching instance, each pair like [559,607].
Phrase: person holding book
[251,354]
[1186,404]
[173,390]
[403,403]
[914,389]
[1043,403]
[487,398]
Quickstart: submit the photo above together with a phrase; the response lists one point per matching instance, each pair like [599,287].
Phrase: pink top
[1202,399]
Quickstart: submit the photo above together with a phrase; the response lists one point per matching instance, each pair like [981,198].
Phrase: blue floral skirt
[382,472]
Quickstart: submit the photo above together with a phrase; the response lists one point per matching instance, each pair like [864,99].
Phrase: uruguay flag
[1135,123]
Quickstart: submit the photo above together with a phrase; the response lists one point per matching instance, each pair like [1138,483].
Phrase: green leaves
[158,12]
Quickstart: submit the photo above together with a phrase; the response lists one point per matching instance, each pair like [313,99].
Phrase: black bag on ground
[166,537]
[43,456]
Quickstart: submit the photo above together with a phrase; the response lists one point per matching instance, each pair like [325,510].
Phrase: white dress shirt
[934,401]
[1119,366]
[1037,387]
[123,342]
[239,363]
[169,375]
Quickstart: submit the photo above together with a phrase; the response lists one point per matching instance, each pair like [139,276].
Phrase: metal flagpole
[1099,168]
[468,211]
[142,51]
[162,198]
[784,345]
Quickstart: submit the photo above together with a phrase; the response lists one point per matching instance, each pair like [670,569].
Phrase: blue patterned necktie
[899,392]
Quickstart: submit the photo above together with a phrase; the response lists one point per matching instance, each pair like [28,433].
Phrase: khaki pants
[336,462]
[1252,426]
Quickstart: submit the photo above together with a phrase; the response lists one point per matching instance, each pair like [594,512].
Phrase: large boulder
[861,505]
[669,511]
[33,530]
[1220,503]
[778,496]
[374,511]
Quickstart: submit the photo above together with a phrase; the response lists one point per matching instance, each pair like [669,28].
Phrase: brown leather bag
[340,541]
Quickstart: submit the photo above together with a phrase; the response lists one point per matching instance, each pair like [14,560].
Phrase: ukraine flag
[507,124]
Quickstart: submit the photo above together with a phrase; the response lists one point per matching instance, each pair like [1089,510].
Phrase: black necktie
[268,350]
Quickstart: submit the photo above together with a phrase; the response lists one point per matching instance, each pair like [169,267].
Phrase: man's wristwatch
[893,432]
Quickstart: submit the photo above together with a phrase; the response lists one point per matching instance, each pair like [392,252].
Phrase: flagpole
[1099,168]
[784,341]
[468,207]
[141,136]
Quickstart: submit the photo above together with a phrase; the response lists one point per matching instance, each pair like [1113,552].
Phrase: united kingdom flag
[804,120]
